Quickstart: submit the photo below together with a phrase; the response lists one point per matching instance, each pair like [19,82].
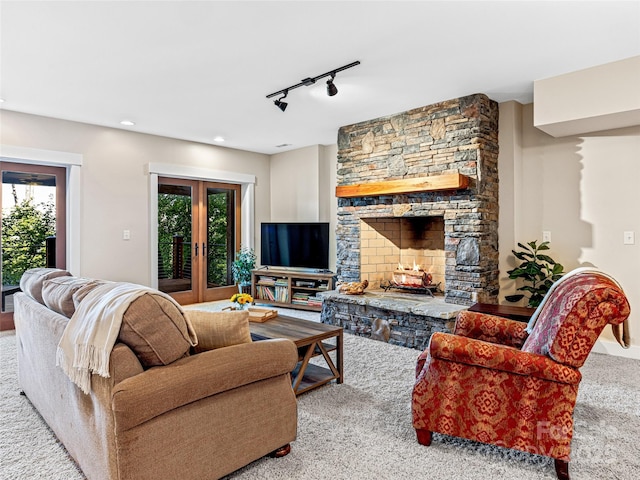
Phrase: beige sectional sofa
[200,416]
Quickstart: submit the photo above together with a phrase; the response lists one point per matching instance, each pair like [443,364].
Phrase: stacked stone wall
[455,136]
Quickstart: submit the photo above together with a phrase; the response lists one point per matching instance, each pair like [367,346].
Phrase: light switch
[629,238]
[126,234]
[546,236]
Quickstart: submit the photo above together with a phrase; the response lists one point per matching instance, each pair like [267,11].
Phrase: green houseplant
[244,262]
[538,272]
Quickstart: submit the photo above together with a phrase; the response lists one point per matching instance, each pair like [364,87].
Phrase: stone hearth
[402,319]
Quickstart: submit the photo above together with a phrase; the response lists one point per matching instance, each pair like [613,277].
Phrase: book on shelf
[275,294]
[301,298]
[265,293]
[315,301]
[282,294]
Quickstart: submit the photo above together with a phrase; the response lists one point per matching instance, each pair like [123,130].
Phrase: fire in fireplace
[414,280]
[414,277]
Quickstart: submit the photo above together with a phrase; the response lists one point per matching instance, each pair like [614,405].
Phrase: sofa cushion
[219,329]
[58,293]
[33,279]
[155,329]
[84,290]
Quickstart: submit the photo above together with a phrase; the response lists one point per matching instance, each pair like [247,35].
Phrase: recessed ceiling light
[127,123]
[218,139]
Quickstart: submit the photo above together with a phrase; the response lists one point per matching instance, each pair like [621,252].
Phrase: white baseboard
[610,347]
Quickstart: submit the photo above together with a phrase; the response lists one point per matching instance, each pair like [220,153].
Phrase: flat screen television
[295,245]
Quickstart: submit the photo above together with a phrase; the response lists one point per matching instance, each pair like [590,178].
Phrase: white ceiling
[197,70]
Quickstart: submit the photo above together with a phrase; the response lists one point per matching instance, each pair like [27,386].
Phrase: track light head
[281,105]
[279,102]
[331,88]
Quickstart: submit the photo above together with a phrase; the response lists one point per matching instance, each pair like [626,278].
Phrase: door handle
[204,249]
[196,249]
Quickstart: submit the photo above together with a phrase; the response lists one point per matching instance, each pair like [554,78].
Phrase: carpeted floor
[362,428]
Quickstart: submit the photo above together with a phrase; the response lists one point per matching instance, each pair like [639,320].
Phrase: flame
[416,267]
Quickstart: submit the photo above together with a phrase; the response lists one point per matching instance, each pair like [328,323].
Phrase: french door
[33,209]
[198,235]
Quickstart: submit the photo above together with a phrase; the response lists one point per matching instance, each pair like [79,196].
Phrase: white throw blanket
[623,340]
[89,337]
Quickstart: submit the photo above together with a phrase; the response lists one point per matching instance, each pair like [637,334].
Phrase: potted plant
[538,271]
[244,262]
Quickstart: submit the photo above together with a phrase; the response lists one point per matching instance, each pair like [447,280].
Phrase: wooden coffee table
[310,338]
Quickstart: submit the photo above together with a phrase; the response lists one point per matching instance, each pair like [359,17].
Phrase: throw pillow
[83,291]
[33,279]
[58,293]
[156,330]
[219,329]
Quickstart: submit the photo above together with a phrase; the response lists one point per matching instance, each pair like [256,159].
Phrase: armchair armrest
[469,351]
[491,328]
[161,389]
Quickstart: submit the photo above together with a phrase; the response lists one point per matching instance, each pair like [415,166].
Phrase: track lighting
[331,88]
[279,101]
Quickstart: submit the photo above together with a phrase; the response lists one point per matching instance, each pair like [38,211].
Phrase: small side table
[522,314]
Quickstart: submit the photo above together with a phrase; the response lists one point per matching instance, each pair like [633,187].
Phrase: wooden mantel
[448,181]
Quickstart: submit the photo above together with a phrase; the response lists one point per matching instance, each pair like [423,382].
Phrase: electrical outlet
[546,236]
[126,234]
[629,238]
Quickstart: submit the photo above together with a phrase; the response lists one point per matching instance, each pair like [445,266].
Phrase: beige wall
[328,200]
[583,189]
[115,188]
[295,189]
[303,185]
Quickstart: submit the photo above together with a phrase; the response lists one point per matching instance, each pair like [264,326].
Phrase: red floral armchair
[492,382]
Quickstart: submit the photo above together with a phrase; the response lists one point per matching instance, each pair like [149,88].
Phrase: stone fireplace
[454,137]
[422,187]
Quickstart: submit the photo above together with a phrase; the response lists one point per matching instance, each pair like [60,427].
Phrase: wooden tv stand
[289,288]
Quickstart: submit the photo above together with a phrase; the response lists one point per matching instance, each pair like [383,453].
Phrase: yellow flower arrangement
[242,299]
